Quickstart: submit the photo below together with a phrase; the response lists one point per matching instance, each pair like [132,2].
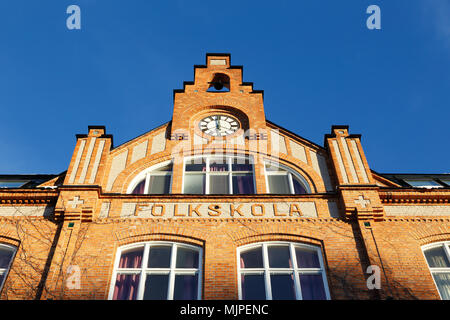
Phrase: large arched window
[218,175]
[154,180]
[283,180]
[438,259]
[157,271]
[281,271]
[6,257]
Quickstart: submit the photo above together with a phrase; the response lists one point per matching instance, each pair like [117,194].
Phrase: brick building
[221,203]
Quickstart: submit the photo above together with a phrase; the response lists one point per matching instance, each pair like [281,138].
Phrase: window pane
[187,258]
[197,164]
[298,187]
[131,258]
[167,168]
[139,189]
[186,287]
[282,286]
[243,184]
[159,185]
[423,183]
[273,167]
[436,258]
[252,258]
[447,182]
[159,257]
[279,257]
[217,165]
[253,287]
[126,287]
[307,258]
[278,184]
[312,287]
[194,184]
[5,257]
[218,184]
[443,284]
[241,164]
[2,276]
[156,286]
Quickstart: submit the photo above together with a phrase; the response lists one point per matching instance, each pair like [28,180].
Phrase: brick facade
[357,217]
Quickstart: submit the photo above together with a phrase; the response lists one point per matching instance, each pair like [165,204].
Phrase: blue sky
[316,61]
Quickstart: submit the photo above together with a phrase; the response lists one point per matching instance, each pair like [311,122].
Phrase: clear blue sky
[317,62]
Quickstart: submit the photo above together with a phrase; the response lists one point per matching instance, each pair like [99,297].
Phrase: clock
[219,125]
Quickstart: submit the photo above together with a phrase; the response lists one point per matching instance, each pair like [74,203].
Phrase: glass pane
[159,257]
[436,258]
[197,164]
[447,182]
[312,287]
[241,164]
[156,286]
[220,164]
[253,287]
[126,287]
[194,184]
[307,258]
[243,184]
[12,184]
[273,167]
[423,183]
[252,258]
[443,284]
[282,286]
[2,276]
[279,257]
[167,168]
[139,189]
[186,287]
[5,257]
[298,186]
[131,258]
[278,184]
[187,258]
[159,185]
[218,184]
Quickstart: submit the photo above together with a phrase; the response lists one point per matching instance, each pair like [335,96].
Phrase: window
[437,256]
[157,271]
[281,180]
[281,271]
[446,181]
[11,184]
[423,183]
[218,175]
[6,257]
[155,180]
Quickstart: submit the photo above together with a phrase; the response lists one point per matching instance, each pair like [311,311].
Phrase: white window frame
[267,270]
[5,271]
[172,271]
[145,174]
[287,171]
[229,173]
[446,246]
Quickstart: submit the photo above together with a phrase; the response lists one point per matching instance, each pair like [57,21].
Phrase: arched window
[438,259]
[154,180]
[6,257]
[282,180]
[281,271]
[218,175]
[157,271]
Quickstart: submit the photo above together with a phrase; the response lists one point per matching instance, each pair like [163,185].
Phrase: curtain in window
[243,184]
[443,284]
[131,259]
[126,287]
[139,189]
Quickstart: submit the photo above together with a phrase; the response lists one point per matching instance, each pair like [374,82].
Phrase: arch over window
[437,256]
[281,271]
[157,270]
[218,175]
[154,180]
[283,180]
[7,253]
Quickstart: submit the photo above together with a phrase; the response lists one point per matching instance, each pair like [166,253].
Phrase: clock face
[219,125]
